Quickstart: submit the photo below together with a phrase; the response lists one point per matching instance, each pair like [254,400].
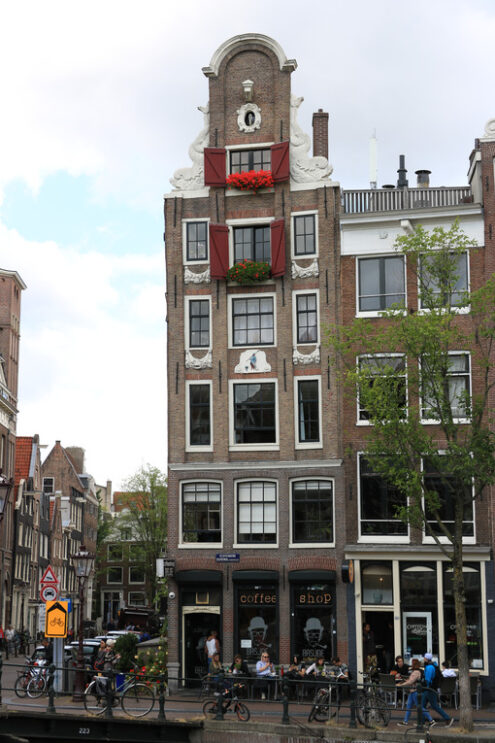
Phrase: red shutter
[219,251]
[215,166]
[277,244]
[280,162]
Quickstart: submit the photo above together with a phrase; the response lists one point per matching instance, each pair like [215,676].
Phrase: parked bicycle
[230,703]
[136,698]
[32,680]
[371,709]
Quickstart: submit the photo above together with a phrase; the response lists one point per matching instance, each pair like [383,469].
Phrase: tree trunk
[465,707]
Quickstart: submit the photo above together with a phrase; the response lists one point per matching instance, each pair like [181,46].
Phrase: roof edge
[286,65]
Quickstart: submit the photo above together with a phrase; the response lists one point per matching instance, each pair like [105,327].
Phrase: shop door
[197,625]
[417,632]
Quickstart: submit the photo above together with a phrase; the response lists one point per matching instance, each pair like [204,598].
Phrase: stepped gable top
[286,65]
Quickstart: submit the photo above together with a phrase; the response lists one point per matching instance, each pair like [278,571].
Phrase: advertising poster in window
[257,622]
[313,621]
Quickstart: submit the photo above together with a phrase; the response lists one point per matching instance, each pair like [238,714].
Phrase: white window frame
[248,222]
[231,299]
[185,222]
[295,294]
[443,540]
[187,303]
[433,421]
[236,147]
[310,444]
[249,379]
[114,559]
[52,491]
[254,545]
[378,539]
[199,545]
[378,313]
[461,309]
[360,422]
[136,582]
[310,545]
[199,447]
[115,582]
[138,593]
[308,256]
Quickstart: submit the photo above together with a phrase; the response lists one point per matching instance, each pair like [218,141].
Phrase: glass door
[417,632]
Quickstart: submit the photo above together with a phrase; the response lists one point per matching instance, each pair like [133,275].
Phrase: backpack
[437,678]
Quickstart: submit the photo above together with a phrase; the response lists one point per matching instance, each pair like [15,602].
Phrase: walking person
[412,700]
[430,695]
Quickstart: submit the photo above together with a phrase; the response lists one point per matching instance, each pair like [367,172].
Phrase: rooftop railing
[366,201]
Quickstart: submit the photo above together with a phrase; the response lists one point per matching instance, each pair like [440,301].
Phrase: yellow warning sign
[56,618]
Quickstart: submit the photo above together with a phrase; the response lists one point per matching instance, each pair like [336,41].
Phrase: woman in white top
[212,646]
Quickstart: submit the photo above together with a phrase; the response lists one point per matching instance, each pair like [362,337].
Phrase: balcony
[371,201]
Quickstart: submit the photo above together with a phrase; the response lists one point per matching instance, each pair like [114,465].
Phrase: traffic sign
[49,592]
[49,576]
[56,619]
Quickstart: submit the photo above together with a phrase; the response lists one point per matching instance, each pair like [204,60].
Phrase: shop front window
[418,595]
[257,622]
[376,581]
[313,620]
[472,590]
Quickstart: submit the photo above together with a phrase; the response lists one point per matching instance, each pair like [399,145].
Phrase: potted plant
[250,180]
[249,272]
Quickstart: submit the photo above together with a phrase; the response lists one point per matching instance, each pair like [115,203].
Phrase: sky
[98,108]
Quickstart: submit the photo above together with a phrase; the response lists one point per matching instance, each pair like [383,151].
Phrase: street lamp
[83,562]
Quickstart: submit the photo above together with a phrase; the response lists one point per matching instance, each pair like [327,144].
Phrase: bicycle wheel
[372,712]
[320,711]
[210,708]
[95,701]
[20,686]
[36,687]
[138,700]
[242,712]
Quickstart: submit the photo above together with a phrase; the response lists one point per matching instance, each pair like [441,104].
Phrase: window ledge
[384,540]
[311,545]
[249,192]
[200,545]
[256,546]
[312,445]
[254,447]
[433,422]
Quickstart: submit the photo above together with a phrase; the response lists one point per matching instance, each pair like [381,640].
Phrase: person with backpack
[412,699]
[432,680]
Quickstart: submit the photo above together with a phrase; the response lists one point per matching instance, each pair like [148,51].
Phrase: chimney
[76,453]
[402,181]
[320,134]
[423,178]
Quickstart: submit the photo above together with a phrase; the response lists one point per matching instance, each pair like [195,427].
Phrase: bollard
[51,693]
[285,703]
[1,669]
[419,708]
[109,695]
[219,715]
[161,699]
[352,695]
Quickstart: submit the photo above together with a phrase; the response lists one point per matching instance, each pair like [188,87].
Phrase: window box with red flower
[249,272]
[251,180]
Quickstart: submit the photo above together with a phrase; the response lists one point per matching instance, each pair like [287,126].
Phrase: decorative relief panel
[193,363]
[193,179]
[252,361]
[306,358]
[298,272]
[248,117]
[303,168]
[190,277]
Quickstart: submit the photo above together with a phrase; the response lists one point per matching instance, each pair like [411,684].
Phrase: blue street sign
[227,557]
[69,602]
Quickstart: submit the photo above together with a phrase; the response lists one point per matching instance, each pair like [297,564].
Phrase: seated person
[216,673]
[239,666]
[401,670]
[264,669]
[340,672]
[319,673]
[447,671]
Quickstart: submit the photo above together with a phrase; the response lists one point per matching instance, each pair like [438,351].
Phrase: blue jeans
[430,697]
[412,701]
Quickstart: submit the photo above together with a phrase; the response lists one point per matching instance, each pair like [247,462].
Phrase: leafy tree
[144,514]
[441,468]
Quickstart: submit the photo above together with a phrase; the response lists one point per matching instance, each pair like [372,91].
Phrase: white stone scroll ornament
[306,358]
[490,129]
[193,179]
[252,361]
[190,277]
[303,168]
[254,120]
[298,272]
[193,363]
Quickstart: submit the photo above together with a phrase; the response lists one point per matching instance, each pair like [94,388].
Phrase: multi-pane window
[242,161]
[199,415]
[252,244]
[201,504]
[446,286]
[199,323]
[304,235]
[136,598]
[448,391]
[447,489]
[312,511]
[136,574]
[253,321]
[256,512]
[308,411]
[381,283]
[379,501]
[114,552]
[114,575]
[48,485]
[196,241]
[254,413]
[307,318]
[390,373]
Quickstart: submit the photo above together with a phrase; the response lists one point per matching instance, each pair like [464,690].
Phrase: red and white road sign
[49,592]
[49,576]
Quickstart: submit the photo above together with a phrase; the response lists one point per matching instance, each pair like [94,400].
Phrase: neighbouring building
[11,286]
[256,494]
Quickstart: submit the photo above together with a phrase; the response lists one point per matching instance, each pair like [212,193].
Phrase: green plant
[126,647]
[249,272]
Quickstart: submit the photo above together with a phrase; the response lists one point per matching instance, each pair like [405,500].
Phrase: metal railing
[367,201]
